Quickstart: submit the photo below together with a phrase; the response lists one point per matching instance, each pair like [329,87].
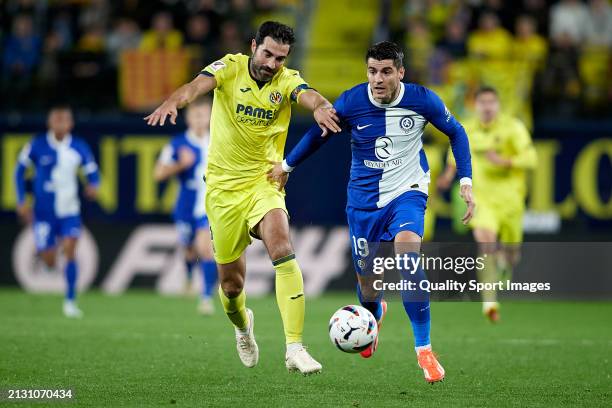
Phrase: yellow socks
[290,297]
[235,308]
[489,275]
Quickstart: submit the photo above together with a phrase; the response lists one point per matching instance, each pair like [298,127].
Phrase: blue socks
[209,277]
[416,303]
[375,307]
[71,273]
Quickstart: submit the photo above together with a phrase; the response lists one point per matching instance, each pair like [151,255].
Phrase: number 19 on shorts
[360,247]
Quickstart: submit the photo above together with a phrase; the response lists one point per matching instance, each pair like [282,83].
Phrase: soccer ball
[352,328]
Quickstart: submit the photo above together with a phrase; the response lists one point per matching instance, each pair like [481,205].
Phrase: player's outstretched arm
[323,111]
[201,85]
[439,115]
[314,138]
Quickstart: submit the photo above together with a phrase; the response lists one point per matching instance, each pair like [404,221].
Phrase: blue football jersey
[386,142]
[56,166]
[190,201]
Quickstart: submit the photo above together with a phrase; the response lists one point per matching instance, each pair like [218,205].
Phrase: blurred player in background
[185,158]
[57,157]
[503,152]
[389,180]
[250,119]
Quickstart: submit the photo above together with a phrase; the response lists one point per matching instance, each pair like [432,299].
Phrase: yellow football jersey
[249,122]
[510,139]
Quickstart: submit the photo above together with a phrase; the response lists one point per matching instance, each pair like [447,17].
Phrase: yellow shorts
[233,215]
[507,223]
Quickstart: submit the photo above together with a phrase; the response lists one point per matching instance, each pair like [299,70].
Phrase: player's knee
[48,258]
[70,253]
[204,252]
[231,288]
[190,254]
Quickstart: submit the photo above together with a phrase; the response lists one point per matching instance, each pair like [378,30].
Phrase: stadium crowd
[49,45]
[556,53]
[559,51]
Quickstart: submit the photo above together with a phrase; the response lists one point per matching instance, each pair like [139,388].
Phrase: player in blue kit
[57,157]
[387,190]
[185,158]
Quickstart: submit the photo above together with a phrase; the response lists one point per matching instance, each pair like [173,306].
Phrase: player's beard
[261,72]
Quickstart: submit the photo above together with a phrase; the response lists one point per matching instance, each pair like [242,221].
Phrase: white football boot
[206,307]
[245,343]
[300,360]
[71,310]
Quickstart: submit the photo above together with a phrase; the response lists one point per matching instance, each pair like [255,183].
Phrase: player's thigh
[511,227]
[265,197]
[405,221]
[45,232]
[203,243]
[231,276]
[228,224]
[485,222]
[366,232]
[274,231]
[268,219]
[185,232]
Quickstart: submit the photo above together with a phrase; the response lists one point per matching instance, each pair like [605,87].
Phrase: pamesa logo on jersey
[250,115]
[406,123]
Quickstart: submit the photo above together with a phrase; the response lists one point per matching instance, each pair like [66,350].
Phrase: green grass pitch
[144,350]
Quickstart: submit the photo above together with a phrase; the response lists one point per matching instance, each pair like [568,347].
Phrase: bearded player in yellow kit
[249,123]
[502,152]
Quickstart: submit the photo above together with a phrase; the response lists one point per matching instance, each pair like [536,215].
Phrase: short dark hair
[277,31]
[386,50]
[486,89]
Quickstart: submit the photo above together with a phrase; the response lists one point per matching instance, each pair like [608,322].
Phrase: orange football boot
[367,353]
[431,368]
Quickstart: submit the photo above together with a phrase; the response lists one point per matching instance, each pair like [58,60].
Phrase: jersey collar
[393,103]
[54,143]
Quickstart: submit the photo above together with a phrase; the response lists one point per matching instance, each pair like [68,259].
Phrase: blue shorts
[188,227]
[366,227]
[47,229]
